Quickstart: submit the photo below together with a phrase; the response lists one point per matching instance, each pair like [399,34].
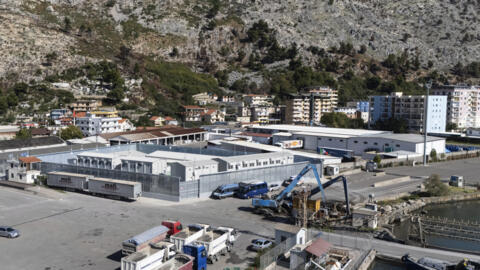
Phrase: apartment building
[309,107]
[205,98]
[412,109]
[258,100]
[349,111]
[95,123]
[463,104]
[86,105]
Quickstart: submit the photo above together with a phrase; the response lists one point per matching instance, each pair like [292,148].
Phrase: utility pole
[428,85]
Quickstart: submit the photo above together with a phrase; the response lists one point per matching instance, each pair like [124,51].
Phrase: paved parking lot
[469,168]
[77,231]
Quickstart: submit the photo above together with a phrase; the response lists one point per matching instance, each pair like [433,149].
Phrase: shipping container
[143,240]
[124,189]
[73,181]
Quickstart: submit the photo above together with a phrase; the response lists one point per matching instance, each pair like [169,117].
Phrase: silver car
[9,232]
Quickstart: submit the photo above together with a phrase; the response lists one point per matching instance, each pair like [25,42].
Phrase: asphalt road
[77,231]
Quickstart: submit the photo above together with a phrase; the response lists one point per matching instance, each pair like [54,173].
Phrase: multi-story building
[193,113]
[95,123]
[349,111]
[205,98]
[86,105]
[412,109]
[56,114]
[309,107]
[463,105]
[258,100]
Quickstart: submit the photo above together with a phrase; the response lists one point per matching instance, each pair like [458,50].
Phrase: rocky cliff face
[443,31]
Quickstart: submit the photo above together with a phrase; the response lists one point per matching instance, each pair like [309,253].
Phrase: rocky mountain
[42,37]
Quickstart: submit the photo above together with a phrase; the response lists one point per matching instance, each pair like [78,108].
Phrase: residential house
[205,98]
[21,170]
[213,116]
[169,121]
[126,125]
[40,132]
[158,121]
[193,113]
[101,122]
[85,105]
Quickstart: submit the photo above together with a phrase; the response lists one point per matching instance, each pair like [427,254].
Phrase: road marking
[45,217]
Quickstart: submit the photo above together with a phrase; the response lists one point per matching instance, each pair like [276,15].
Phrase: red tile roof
[31,159]
[192,107]
[122,120]
[168,118]
[318,247]
[80,114]
[153,118]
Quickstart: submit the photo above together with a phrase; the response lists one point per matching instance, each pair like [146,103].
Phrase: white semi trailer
[188,235]
[217,242]
[151,257]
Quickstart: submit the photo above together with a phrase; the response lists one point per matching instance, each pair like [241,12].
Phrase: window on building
[397,145]
[365,142]
[355,141]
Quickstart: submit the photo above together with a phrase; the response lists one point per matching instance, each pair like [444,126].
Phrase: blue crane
[277,201]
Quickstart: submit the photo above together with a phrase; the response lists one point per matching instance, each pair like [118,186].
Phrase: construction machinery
[277,202]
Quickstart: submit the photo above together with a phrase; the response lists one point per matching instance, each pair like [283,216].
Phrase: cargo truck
[150,257]
[179,262]
[70,181]
[216,242]
[290,144]
[123,189]
[199,253]
[173,226]
[188,235]
[143,240]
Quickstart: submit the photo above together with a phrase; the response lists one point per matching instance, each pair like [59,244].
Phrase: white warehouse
[236,163]
[192,170]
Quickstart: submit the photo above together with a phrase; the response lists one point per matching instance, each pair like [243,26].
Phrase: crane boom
[275,203]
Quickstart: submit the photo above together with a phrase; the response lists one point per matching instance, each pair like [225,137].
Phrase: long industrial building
[358,141]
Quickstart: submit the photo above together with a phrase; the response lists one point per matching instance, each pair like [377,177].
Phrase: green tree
[3,105]
[435,187]
[23,133]
[377,159]
[67,24]
[144,121]
[433,155]
[451,126]
[115,96]
[12,100]
[71,132]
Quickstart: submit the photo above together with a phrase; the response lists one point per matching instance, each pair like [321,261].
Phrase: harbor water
[466,210]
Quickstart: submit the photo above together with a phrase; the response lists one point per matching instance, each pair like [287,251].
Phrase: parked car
[260,244]
[9,232]
[224,191]
[274,187]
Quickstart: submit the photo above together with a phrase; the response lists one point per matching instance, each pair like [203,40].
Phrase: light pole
[428,85]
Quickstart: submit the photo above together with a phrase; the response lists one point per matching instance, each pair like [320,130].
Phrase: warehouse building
[127,161]
[357,140]
[192,170]
[245,162]
[162,136]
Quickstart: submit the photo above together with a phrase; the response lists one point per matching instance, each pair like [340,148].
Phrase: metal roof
[32,142]
[323,130]
[197,162]
[406,137]
[255,156]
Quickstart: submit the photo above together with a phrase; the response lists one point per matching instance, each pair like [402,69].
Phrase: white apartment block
[349,111]
[463,105]
[318,101]
[92,125]
[258,100]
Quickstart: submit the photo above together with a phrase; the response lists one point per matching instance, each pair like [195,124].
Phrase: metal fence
[275,254]
[208,183]
[158,186]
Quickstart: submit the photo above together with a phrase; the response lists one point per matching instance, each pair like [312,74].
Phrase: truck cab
[174,227]
[199,254]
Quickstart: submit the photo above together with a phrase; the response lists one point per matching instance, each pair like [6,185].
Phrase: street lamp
[428,85]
